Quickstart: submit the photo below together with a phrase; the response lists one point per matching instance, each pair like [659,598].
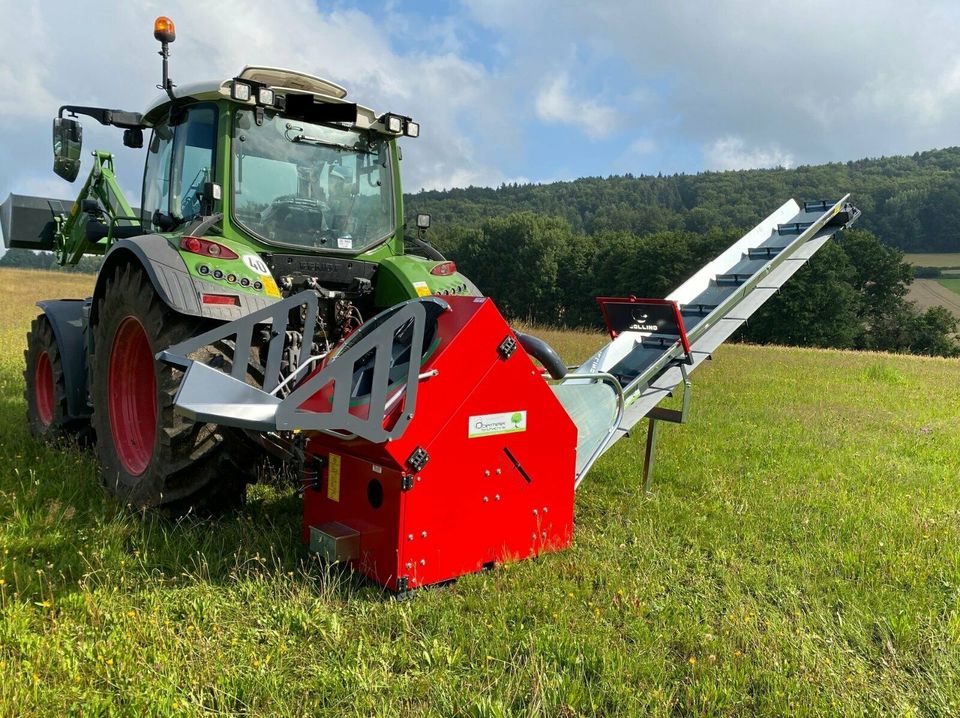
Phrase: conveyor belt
[714,303]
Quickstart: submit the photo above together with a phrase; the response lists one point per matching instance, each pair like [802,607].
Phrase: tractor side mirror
[67,142]
[133,138]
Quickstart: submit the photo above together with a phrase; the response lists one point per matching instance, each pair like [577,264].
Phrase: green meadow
[799,555]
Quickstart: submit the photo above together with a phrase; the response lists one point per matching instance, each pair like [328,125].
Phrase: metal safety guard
[208,394]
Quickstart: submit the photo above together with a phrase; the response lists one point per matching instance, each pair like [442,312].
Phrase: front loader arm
[100,215]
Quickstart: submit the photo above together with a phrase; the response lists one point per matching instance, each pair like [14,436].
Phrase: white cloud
[732,153]
[556,103]
[22,79]
[678,85]
[830,81]
[642,146]
[45,63]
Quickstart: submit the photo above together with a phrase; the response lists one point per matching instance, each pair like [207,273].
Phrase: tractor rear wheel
[45,393]
[150,456]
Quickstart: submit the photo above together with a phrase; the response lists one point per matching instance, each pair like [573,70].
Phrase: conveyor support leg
[655,416]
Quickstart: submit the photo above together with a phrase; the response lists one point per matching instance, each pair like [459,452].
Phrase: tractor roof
[279,79]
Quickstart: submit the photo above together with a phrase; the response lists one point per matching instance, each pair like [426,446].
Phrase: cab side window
[156,176]
[194,154]
[180,161]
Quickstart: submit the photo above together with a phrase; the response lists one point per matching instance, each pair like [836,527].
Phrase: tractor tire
[43,378]
[149,456]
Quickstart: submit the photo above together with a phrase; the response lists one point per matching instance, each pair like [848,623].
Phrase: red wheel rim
[132,396]
[43,388]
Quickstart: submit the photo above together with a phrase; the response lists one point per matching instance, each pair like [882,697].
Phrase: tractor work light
[412,129]
[164,30]
[240,91]
[265,96]
[392,123]
[423,221]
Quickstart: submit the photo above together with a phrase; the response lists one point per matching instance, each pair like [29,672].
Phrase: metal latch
[418,459]
[507,347]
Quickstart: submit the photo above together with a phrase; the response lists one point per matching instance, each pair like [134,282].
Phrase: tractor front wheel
[45,394]
[149,455]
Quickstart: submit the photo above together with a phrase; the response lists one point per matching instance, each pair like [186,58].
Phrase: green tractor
[255,188]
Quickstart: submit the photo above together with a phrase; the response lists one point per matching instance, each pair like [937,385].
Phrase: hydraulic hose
[543,353]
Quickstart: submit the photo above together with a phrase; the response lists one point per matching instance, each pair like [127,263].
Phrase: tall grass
[800,555]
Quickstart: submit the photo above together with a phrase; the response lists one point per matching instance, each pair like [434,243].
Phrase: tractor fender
[67,319]
[162,264]
[173,283]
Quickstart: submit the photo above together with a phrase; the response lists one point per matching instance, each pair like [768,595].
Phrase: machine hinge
[403,584]
[418,459]
[313,480]
[507,347]
[406,482]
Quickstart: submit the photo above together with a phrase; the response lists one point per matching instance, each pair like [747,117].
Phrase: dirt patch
[930,293]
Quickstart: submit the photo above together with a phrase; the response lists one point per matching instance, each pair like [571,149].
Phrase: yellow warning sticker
[422,289]
[333,478]
[270,286]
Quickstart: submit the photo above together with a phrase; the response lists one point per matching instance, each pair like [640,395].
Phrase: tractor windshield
[311,186]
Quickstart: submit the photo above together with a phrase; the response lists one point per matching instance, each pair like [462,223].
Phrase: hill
[797,557]
[912,203]
[543,252]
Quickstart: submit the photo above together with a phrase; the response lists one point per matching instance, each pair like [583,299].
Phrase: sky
[515,90]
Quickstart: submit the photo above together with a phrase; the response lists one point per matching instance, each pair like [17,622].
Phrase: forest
[544,252]
[912,203]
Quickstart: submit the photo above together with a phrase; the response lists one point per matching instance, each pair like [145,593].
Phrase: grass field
[800,556]
[952,284]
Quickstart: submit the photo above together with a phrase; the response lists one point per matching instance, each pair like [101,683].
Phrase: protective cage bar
[208,394]
[276,315]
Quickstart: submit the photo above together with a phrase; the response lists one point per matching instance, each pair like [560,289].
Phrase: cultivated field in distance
[944,292]
[950,260]
[798,556]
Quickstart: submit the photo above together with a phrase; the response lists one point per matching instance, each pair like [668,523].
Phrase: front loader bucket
[28,222]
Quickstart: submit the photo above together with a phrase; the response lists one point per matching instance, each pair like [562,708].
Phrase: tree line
[544,252]
[28,259]
[852,294]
